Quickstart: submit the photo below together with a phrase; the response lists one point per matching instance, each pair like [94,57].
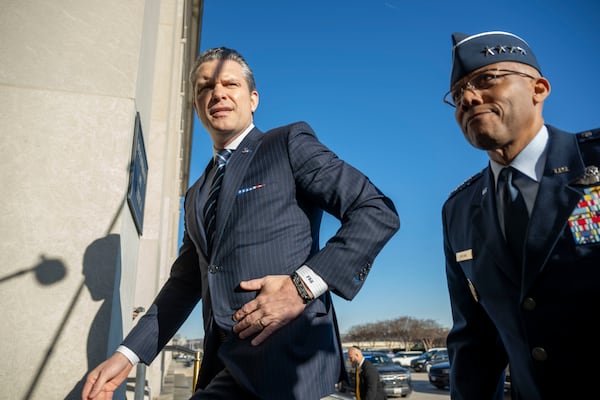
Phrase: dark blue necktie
[210,207]
[515,213]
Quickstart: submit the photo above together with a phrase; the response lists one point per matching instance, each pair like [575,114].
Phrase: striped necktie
[515,216]
[210,208]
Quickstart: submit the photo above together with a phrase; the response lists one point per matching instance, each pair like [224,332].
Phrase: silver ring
[262,324]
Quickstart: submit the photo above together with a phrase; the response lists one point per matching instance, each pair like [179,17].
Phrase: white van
[404,357]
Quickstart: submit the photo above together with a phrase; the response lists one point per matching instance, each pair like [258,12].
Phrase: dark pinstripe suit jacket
[274,191]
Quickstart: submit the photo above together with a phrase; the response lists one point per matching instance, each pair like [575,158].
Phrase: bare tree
[409,331]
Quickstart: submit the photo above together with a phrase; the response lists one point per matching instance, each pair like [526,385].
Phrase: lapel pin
[560,170]
[245,150]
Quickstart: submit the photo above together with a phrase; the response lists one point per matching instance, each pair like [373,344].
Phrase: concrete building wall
[73,76]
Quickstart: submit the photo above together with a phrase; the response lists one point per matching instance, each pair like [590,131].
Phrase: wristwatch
[300,288]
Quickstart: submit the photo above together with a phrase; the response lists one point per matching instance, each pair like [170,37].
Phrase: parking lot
[422,390]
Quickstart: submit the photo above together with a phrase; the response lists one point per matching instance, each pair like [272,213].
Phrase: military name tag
[584,222]
[464,255]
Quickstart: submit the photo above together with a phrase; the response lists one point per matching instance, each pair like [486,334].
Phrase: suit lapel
[235,172]
[555,201]
[195,222]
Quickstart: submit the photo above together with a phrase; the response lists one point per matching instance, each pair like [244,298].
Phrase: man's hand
[277,303]
[106,378]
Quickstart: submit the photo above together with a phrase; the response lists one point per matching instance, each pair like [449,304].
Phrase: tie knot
[506,174]
[506,181]
[222,156]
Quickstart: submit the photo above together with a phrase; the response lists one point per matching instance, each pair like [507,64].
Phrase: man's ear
[541,89]
[254,100]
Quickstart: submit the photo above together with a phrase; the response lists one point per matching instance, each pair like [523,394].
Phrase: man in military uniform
[521,237]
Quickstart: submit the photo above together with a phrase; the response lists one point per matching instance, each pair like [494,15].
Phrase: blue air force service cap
[473,52]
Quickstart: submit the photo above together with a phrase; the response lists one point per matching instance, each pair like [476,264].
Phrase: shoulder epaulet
[589,147]
[586,136]
[466,183]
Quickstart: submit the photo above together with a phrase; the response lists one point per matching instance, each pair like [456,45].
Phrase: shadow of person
[102,277]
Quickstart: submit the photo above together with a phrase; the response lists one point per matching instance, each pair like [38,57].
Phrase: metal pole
[140,381]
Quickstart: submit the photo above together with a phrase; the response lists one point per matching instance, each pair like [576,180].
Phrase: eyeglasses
[480,81]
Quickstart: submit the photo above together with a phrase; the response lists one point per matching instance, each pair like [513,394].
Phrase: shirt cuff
[312,280]
[131,356]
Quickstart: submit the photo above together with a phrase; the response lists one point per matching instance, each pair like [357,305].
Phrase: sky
[369,77]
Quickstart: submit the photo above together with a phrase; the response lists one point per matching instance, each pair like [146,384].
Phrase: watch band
[300,288]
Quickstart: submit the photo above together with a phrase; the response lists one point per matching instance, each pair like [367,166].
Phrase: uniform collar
[530,161]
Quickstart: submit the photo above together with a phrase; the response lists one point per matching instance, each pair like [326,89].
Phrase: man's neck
[234,141]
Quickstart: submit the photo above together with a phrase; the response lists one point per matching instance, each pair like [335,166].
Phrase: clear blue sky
[369,77]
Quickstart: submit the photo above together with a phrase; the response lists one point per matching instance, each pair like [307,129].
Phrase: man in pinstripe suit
[265,285]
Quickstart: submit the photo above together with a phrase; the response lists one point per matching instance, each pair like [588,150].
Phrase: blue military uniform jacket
[538,315]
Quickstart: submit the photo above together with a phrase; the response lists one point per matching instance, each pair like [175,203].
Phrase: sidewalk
[178,384]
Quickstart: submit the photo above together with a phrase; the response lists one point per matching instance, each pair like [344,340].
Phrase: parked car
[439,374]
[438,357]
[405,357]
[396,380]
[418,364]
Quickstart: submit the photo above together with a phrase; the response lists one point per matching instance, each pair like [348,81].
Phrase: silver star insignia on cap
[488,51]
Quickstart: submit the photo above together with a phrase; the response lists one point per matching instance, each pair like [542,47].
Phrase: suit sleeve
[368,218]
[170,308]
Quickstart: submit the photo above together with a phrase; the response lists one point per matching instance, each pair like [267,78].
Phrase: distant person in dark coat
[368,382]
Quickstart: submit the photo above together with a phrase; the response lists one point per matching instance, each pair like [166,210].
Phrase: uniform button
[213,269]
[529,304]
[539,354]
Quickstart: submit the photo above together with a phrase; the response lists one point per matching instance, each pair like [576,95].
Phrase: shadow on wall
[47,272]
[102,276]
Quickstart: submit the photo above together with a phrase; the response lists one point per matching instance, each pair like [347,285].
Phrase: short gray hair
[223,53]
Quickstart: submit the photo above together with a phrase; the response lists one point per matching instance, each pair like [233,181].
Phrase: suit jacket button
[529,304]
[212,269]
[539,354]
